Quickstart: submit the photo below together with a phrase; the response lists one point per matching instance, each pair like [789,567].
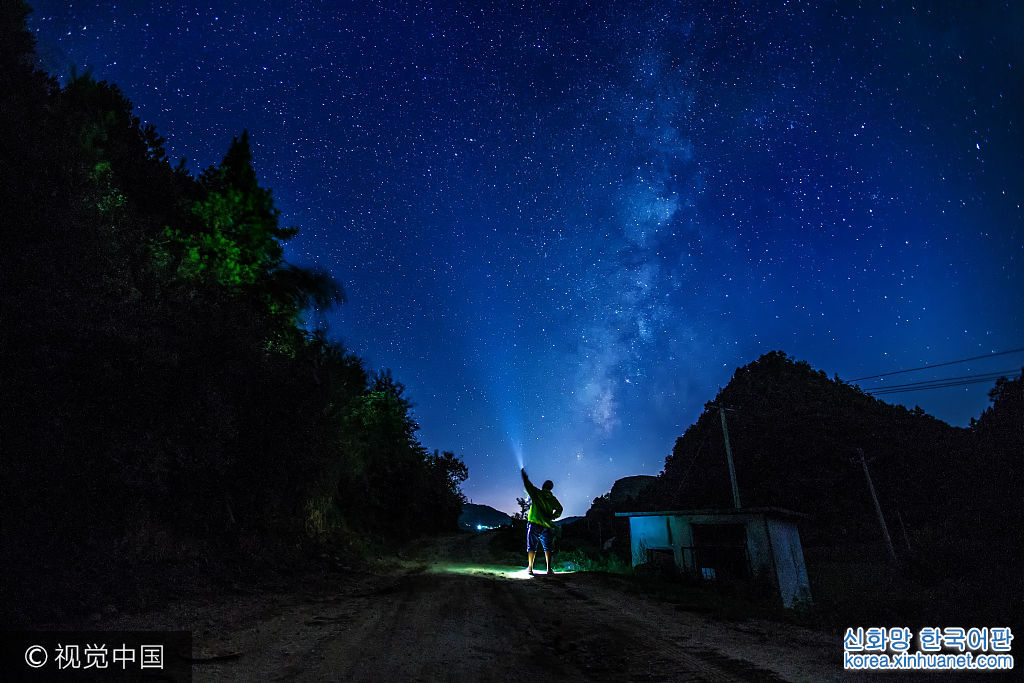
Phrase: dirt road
[459,617]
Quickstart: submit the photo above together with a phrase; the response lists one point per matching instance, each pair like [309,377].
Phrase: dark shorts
[538,534]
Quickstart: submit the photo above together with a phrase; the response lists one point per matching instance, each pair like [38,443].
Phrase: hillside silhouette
[795,435]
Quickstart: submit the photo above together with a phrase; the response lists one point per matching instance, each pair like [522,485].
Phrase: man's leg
[531,546]
[547,541]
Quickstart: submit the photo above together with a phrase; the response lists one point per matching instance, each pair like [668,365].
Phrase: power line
[937,385]
[939,365]
[993,375]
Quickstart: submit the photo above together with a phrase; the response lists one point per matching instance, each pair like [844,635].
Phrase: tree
[995,476]
[1003,421]
[445,474]
[233,237]
[524,509]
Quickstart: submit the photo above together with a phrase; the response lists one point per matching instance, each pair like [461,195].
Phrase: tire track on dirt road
[617,644]
[440,627]
[429,627]
[448,621]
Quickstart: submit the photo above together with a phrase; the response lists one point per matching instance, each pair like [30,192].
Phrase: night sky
[564,225]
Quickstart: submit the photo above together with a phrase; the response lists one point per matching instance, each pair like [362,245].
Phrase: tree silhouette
[162,387]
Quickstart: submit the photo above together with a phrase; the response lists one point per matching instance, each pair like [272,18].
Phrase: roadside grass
[582,560]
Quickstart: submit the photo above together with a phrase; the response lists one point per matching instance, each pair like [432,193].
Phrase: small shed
[761,544]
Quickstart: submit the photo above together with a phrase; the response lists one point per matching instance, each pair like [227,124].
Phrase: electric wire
[938,384]
[939,365]
[995,374]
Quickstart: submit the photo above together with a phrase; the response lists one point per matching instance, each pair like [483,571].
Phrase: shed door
[720,551]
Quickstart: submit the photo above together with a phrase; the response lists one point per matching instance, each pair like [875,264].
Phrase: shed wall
[794,588]
[773,547]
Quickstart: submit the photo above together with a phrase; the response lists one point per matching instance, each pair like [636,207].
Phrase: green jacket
[544,507]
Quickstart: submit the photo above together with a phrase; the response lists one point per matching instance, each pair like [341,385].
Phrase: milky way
[563,226]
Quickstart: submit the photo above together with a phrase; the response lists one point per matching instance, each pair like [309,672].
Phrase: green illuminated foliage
[232,236]
[110,199]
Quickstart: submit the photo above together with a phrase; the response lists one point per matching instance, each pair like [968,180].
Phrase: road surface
[451,614]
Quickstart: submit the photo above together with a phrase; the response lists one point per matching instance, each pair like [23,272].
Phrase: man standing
[540,528]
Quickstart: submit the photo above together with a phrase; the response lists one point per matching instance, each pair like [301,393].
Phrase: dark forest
[167,411]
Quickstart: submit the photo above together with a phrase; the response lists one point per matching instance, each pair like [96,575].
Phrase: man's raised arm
[530,488]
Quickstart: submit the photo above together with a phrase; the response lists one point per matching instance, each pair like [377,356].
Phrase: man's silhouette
[540,528]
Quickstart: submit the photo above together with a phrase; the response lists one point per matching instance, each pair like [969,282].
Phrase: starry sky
[563,225]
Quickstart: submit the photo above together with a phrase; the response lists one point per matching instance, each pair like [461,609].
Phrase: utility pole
[728,455]
[903,528]
[878,508]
